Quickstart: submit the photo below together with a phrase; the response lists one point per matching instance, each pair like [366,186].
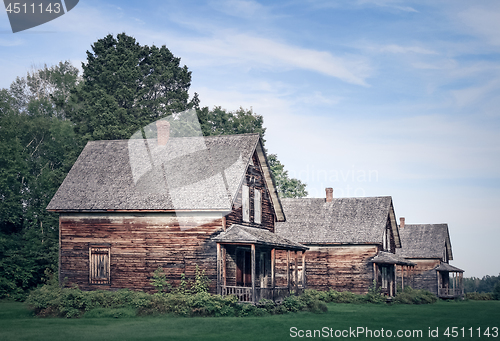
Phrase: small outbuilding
[352,241]
[428,246]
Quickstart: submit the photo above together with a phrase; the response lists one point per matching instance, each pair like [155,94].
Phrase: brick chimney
[162,132]
[329,194]
[402,223]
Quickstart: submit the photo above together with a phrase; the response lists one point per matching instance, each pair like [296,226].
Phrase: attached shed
[128,207]
[429,247]
[344,235]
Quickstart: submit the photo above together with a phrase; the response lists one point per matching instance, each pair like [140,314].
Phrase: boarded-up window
[385,277]
[245,198]
[257,206]
[99,262]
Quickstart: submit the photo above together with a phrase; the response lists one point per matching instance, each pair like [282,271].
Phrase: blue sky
[370,97]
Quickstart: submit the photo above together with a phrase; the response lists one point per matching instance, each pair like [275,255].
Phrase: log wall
[138,245]
[342,268]
[424,275]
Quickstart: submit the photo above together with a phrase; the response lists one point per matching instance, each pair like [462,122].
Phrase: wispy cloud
[485,22]
[393,4]
[245,49]
[239,8]
[393,48]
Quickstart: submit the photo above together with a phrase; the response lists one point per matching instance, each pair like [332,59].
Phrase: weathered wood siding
[255,180]
[138,245]
[342,268]
[423,275]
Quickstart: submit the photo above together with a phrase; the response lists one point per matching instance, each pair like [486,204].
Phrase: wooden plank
[253,272]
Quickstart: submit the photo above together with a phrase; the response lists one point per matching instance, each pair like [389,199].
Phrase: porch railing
[450,292]
[244,294]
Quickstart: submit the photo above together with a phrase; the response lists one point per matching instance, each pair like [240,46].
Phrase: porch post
[253,272]
[437,272]
[402,277]
[394,287]
[375,275]
[224,267]
[219,270]
[296,273]
[273,264]
[288,269]
[303,269]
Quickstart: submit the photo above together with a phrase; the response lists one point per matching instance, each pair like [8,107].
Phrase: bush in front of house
[54,301]
[479,296]
[414,296]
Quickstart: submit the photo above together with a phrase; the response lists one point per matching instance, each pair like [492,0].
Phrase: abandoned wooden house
[130,206]
[352,241]
[428,246]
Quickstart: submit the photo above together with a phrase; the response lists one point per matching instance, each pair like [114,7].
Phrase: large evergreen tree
[127,86]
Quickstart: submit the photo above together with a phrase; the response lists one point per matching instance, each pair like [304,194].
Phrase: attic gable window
[99,264]
[257,206]
[245,203]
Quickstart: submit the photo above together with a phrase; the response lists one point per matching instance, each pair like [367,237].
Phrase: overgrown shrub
[186,285]
[415,296]
[479,296]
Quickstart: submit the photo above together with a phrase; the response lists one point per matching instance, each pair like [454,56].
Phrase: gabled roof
[425,241]
[188,173]
[239,234]
[341,221]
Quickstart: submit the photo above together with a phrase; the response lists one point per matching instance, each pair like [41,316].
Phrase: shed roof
[239,234]
[425,241]
[383,257]
[341,221]
[188,173]
[447,267]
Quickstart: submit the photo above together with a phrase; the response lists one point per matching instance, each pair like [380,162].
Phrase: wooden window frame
[245,203]
[257,206]
[99,273]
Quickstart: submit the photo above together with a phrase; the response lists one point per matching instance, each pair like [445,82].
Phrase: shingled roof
[383,257]
[188,173]
[341,221]
[239,234]
[425,241]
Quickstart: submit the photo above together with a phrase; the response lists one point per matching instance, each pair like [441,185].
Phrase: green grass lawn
[17,323]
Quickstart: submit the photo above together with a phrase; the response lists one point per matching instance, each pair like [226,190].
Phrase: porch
[385,270]
[449,281]
[246,265]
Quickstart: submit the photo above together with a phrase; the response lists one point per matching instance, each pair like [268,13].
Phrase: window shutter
[99,264]
[257,206]
[245,198]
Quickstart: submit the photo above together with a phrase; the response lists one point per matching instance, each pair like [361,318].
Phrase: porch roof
[447,267]
[239,234]
[383,257]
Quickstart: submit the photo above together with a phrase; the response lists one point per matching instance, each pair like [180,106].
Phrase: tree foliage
[37,149]
[126,86]
[482,285]
[287,187]
[222,122]
[45,90]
